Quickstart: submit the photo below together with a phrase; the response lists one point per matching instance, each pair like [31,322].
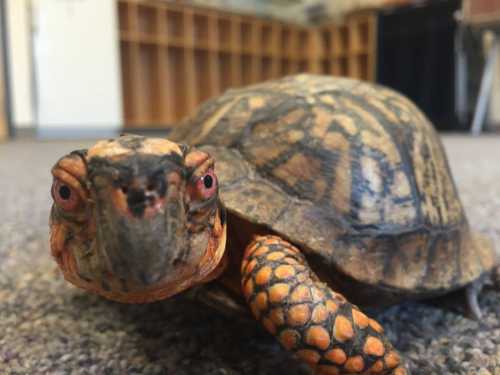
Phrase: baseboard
[26,132]
[84,132]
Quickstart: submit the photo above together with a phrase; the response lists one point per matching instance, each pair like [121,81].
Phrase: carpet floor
[50,327]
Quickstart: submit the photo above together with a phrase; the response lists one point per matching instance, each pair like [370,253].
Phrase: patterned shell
[351,172]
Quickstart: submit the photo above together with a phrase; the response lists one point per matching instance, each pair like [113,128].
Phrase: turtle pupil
[208,181]
[64,192]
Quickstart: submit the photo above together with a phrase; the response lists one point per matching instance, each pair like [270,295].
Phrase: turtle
[295,201]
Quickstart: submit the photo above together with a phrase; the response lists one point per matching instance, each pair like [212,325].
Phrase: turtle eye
[207,184]
[65,196]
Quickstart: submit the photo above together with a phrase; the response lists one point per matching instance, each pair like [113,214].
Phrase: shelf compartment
[293,50]
[175,26]
[203,76]
[326,67]
[177,82]
[326,42]
[148,84]
[303,66]
[285,67]
[341,39]
[266,38]
[267,69]
[247,31]
[303,43]
[128,98]
[286,42]
[225,70]
[354,67]
[343,66]
[146,20]
[364,66]
[164,94]
[365,33]
[200,30]
[224,33]
[123,16]
[247,69]
[355,44]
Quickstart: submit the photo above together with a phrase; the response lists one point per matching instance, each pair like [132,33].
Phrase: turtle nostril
[124,190]
[151,187]
[135,197]
[136,200]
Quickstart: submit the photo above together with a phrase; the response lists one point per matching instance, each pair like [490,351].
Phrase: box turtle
[302,198]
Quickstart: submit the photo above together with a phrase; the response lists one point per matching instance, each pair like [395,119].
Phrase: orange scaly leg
[310,319]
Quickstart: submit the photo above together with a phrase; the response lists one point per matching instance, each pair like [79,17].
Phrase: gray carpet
[50,327]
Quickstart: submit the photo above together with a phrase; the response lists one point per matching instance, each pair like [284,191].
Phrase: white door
[76,66]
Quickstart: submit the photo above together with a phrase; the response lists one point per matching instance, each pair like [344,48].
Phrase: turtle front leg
[319,325]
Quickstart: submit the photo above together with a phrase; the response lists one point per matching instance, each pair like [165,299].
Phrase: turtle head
[137,219]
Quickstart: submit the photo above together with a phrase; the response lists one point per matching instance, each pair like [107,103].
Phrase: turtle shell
[353,173]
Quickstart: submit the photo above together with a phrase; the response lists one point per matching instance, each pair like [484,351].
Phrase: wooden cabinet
[481,11]
[174,57]
[4,131]
[348,49]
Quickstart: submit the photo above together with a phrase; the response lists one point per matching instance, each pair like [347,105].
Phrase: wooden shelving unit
[4,131]
[174,57]
[348,49]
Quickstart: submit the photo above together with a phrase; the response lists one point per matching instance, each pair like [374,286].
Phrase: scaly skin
[320,326]
[133,221]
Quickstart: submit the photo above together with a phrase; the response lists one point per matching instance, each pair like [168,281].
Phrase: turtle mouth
[142,264]
[148,246]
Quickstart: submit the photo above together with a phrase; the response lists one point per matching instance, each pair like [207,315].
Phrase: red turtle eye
[207,185]
[65,196]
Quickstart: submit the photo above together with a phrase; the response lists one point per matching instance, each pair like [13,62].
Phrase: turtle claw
[471,293]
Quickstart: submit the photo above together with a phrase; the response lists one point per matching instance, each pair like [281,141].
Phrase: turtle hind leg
[308,318]
[473,290]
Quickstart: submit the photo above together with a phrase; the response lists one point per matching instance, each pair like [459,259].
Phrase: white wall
[77,67]
[20,62]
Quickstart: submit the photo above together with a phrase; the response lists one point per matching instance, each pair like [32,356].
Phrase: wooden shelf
[248,34]
[225,70]
[146,20]
[349,49]
[174,57]
[175,25]
[224,33]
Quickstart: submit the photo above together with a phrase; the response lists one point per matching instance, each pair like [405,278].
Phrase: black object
[416,56]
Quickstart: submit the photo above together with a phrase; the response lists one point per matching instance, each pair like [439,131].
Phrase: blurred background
[91,68]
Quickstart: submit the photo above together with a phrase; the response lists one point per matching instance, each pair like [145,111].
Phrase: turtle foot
[471,294]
